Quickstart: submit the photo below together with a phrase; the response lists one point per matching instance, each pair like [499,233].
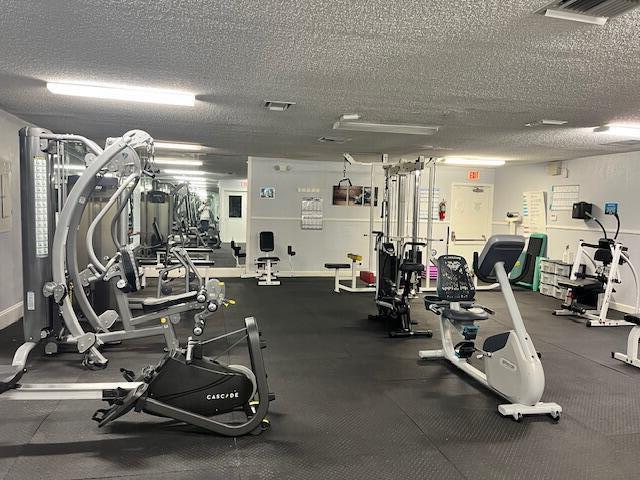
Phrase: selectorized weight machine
[185,385]
[400,259]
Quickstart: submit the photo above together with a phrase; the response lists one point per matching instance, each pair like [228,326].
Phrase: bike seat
[632,318]
[156,304]
[411,267]
[464,315]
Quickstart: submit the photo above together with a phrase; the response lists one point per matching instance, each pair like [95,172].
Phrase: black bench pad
[337,265]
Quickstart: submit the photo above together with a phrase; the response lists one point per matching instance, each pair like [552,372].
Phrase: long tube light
[575,17]
[622,130]
[188,147]
[474,162]
[71,168]
[385,127]
[204,175]
[130,94]
[178,161]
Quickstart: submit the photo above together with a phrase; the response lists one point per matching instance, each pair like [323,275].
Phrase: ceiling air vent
[276,106]
[336,140]
[588,11]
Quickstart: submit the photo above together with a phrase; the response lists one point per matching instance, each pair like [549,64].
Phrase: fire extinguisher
[442,209]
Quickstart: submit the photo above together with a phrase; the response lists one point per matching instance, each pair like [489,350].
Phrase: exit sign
[473,175]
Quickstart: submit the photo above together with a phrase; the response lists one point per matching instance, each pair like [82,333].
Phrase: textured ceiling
[480,69]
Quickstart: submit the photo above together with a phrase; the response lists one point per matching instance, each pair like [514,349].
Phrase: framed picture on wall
[340,195]
[356,195]
[268,192]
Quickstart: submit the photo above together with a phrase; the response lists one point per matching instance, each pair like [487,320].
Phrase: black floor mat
[351,403]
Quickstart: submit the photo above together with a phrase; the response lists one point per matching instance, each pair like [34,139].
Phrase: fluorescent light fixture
[130,94]
[171,171]
[350,116]
[474,162]
[546,121]
[187,147]
[385,128]
[71,168]
[575,17]
[622,130]
[178,161]
[199,181]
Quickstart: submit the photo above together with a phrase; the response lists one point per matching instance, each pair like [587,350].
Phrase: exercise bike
[395,283]
[512,367]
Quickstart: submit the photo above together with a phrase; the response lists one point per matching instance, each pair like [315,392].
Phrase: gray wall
[10,242]
[601,179]
[345,229]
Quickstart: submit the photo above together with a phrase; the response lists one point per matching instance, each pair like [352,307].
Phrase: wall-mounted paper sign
[268,192]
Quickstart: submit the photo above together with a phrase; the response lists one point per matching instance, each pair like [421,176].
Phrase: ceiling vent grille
[337,140]
[583,10]
[276,106]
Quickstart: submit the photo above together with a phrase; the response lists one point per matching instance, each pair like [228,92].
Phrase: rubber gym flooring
[351,403]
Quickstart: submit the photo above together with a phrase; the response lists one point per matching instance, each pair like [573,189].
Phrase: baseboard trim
[10,315]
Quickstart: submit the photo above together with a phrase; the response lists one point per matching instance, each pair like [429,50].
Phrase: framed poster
[268,192]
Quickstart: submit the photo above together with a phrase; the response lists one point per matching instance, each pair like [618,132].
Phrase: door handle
[454,239]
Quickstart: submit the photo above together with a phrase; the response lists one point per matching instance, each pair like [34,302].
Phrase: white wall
[346,229]
[10,242]
[601,179]
[233,228]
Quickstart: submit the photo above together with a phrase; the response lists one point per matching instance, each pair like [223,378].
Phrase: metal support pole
[416,215]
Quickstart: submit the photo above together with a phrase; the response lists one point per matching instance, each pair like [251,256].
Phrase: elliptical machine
[512,366]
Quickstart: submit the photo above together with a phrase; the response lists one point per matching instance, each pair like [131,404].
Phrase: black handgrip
[418,244]
[475,262]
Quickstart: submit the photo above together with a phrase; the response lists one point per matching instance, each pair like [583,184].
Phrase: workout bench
[355,261]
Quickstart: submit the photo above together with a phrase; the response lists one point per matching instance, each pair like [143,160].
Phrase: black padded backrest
[266,242]
[499,248]
[156,230]
[454,280]
[535,246]
[130,270]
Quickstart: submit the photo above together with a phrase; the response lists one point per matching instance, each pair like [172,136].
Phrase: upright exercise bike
[512,366]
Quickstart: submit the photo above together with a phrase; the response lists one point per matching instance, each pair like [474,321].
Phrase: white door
[233,221]
[471,216]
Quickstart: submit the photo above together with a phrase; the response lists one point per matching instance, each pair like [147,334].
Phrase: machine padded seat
[337,266]
[411,267]
[264,259]
[584,283]
[464,315]
[632,318]
[155,304]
